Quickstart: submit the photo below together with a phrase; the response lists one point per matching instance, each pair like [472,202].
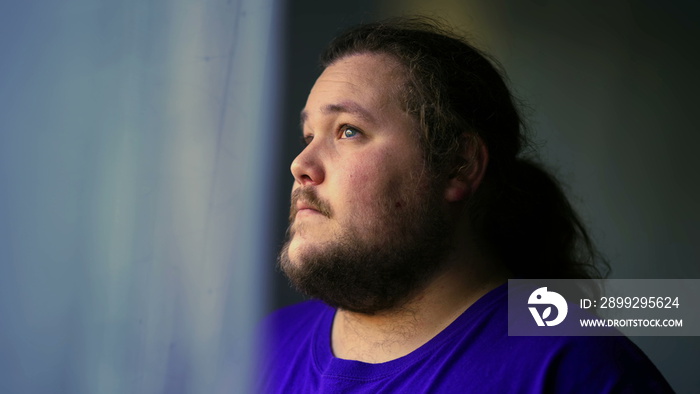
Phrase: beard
[400,251]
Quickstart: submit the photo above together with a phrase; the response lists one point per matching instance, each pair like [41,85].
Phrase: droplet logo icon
[543,297]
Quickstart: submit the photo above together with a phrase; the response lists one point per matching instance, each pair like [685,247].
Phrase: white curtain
[136,146]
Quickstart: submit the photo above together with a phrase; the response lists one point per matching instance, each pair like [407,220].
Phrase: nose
[307,167]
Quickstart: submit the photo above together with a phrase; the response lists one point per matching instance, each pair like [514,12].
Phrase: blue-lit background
[135,136]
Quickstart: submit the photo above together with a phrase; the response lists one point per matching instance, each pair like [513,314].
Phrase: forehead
[362,84]
[365,68]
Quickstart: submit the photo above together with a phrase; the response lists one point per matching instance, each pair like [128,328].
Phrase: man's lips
[307,201]
[306,207]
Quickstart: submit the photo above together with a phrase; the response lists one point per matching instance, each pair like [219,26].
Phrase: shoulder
[294,324]
[483,348]
[288,338]
[588,364]
[298,311]
[297,316]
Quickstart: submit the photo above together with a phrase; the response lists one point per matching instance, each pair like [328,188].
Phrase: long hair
[519,212]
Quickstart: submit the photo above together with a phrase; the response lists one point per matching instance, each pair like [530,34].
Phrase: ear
[471,161]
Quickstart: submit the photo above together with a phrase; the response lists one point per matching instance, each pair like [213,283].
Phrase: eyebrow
[349,107]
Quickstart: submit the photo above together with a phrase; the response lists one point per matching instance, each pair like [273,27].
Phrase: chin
[295,250]
[291,251]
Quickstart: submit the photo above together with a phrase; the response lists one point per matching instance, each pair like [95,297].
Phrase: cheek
[377,180]
[369,189]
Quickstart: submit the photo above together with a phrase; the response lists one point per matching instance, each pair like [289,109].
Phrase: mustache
[311,198]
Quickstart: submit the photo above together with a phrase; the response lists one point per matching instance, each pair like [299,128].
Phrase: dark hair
[520,210]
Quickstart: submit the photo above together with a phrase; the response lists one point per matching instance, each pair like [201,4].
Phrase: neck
[388,335]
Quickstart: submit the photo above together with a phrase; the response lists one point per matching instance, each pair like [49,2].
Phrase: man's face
[366,223]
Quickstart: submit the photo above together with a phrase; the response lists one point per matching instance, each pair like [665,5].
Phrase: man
[412,205]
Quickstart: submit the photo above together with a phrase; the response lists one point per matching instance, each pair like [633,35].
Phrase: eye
[306,139]
[347,131]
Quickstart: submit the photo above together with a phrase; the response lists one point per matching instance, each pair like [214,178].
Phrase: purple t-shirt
[474,354]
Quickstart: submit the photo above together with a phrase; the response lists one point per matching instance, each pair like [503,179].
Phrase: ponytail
[525,219]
